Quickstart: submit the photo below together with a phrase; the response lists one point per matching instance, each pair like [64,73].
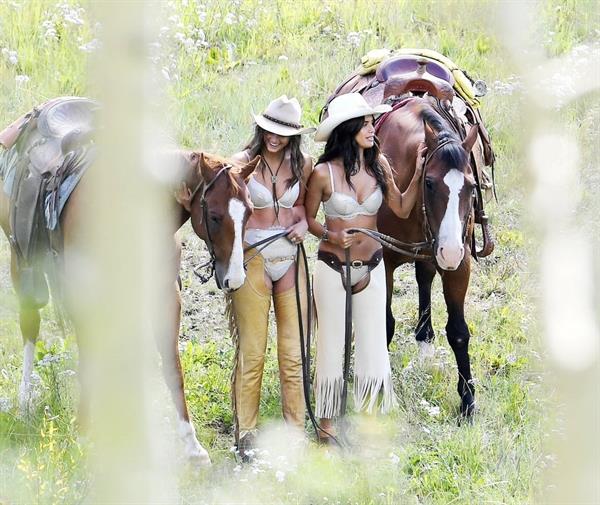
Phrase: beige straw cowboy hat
[346,107]
[282,117]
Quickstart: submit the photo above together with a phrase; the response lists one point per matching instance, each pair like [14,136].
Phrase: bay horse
[442,221]
[210,192]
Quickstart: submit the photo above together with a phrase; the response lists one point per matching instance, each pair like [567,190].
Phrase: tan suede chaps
[249,321]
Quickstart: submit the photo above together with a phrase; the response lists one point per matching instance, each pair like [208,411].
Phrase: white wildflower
[394,459]
[280,476]
[426,430]
[12,57]
[229,18]
[283,57]
[90,46]
[354,38]
[5,404]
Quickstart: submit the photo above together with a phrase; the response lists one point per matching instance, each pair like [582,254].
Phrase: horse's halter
[426,225]
[209,242]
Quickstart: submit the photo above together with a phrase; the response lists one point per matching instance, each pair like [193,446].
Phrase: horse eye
[216,220]
[429,183]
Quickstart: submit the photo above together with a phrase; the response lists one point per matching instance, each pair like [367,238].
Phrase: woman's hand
[297,231]
[183,195]
[342,238]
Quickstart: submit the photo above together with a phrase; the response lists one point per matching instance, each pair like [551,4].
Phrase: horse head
[448,190]
[219,207]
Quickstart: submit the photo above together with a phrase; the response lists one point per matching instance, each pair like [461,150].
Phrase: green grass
[304,49]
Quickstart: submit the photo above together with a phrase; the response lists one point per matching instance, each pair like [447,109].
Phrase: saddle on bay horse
[386,77]
[43,155]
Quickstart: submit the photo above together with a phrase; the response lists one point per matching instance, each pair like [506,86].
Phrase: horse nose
[451,256]
[231,283]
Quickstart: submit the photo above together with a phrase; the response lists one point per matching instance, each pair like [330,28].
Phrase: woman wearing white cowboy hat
[351,179]
[277,188]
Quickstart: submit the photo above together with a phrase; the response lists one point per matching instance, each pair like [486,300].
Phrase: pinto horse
[211,194]
[441,222]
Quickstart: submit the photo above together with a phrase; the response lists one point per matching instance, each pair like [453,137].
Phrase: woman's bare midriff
[266,218]
[363,247]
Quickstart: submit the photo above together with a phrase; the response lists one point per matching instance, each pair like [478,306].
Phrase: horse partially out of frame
[48,143]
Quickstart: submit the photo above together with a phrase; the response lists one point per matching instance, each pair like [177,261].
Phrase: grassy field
[220,59]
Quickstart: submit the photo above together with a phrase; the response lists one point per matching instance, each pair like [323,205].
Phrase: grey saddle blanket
[41,169]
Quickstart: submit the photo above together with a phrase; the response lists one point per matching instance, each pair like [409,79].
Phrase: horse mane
[215,162]
[452,154]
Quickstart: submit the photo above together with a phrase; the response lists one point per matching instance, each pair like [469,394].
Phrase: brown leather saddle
[397,77]
[44,155]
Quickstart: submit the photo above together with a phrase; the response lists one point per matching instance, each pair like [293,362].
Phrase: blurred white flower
[229,18]
[12,58]
[280,476]
[91,46]
[5,404]
[21,79]
[394,459]
[72,14]
[354,38]
[50,33]
[283,57]
[165,73]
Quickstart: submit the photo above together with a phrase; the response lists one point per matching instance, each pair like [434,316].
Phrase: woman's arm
[297,231]
[314,196]
[318,185]
[402,203]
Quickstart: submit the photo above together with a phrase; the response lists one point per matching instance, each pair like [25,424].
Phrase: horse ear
[471,138]
[206,170]
[431,137]
[247,170]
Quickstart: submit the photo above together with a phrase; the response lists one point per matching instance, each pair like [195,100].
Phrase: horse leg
[168,347]
[29,321]
[424,334]
[455,286]
[390,322]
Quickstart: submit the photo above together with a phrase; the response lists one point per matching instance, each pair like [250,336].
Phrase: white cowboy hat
[346,107]
[282,117]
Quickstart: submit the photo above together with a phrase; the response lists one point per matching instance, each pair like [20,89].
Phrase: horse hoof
[426,350]
[468,408]
[200,457]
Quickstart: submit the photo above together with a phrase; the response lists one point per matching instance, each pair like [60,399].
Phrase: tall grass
[220,60]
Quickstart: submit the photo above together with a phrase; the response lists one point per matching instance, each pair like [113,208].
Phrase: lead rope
[305,343]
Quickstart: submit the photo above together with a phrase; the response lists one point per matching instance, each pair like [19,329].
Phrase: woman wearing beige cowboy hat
[277,188]
[351,180]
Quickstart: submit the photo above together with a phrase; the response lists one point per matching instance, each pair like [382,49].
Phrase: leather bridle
[430,239]
[210,264]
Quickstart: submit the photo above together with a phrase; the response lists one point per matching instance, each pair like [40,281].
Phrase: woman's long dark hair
[257,143]
[341,144]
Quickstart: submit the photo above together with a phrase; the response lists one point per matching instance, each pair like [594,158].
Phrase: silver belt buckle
[356,263]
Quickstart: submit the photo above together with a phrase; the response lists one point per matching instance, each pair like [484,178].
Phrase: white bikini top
[342,206]
[262,198]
